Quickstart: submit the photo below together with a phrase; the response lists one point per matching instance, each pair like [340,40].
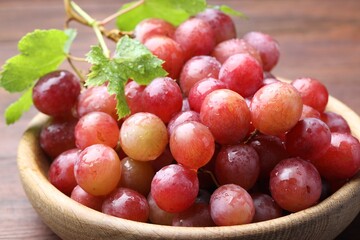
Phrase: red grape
[157,215]
[98,169]
[231,205]
[198,215]
[276,108]
[143,136]
[166,158]
[95,202]
[309,112]
[174,188]
[128,204]
[133,94]
[335,122]
[192,144]
[265,207]
[295,184]
[182,117]
[226,114]
[152,27]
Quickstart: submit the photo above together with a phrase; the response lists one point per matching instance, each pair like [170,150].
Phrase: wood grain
[319,38]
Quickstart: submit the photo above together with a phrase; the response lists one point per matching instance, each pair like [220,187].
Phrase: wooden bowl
[70,220]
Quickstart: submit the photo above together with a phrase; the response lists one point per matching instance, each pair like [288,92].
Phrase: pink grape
[98,169]
[95,128]
[226,114]
[230,204]
[198,215]
[81,196]
[153,27]
[176,183]
[309,112]
[196,69]
[143,136]
[128,204]
[56,93]
[182,117]
[192,144]
[242,73]
[295,184]
[133,95]
[276,108]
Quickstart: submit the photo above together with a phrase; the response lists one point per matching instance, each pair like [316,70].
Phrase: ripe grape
[192,144]
[174,188]
[342,159]
[182,117]
[169,51]
[267,47]
[295,184]
[309,139]
[276,108]
[96,99]
[95,202]
[166,158]
[98,169]
[136,175]
[153,27]
[94,128]
[226,114]
[309,112]
[61,171]
[198,215]
[201,89]
[222,24]
[265,207]
[230,204]
[335,122]
[163,98]
[196,37]
[56,93]
[157,215]
[143,136]
[242,73]
[128,204]
[57,136]
[313,92]
[196,69]
[133,95]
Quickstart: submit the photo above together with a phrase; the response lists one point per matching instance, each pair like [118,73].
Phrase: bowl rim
[45,197]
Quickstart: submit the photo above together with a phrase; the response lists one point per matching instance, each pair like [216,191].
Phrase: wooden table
[319,38]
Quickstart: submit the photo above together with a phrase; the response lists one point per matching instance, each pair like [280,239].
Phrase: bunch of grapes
[220,141]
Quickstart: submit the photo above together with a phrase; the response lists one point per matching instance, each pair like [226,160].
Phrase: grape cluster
[220,141]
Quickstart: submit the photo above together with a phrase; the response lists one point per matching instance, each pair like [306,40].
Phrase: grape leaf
[41,52]
[131,60]
[173,11]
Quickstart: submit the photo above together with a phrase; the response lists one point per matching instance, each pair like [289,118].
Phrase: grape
[96,99]
[276,108]
[163,98]
[56,93]
[295,184]
[157,215]
[267,81]
[128,204]
[230,204]
[237,164]
[98,169]
[95,202]
[182,117]
[309,112]
[153,26]
[313,92]
[226,114]
[136,175]
[169,51]
[174,188]
[271,151]
[342,159]
[242,73]
[166,158]
[57,136]
[222,24]
[94,128]
[143,136]
[198,215]
[335,122]
[226,49]
[61,171]
[201,89]
[196,69]
[309,139]
[196,37]
[133,95]
[192,144]
[267,47]
[265,207]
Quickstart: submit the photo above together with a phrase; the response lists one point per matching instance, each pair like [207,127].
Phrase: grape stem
[211,175]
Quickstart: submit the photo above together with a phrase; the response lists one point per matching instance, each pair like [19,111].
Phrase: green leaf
[16,109]
[173,11]
[132,60]
[41,52]
[230,11]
